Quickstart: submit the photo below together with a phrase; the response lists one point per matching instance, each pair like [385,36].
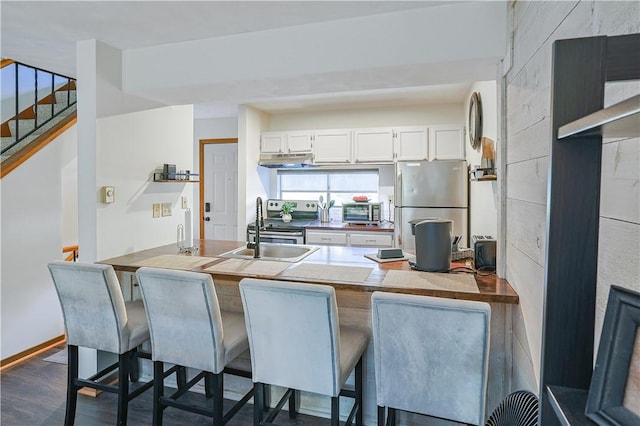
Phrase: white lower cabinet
[327,238]
[346,238]
[372,239]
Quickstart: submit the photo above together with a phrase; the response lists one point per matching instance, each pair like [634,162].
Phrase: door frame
[202,143]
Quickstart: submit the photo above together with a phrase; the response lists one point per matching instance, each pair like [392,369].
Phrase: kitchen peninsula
[491,288]
[353,296]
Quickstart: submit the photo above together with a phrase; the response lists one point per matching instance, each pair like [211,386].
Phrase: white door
[220,179]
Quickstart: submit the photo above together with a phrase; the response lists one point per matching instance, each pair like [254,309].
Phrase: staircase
[52,110]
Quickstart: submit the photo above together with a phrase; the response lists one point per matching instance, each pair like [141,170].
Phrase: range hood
[286,160]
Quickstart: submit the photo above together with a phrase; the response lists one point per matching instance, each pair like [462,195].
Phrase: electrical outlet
[157,210]
[184,201]
[166,209]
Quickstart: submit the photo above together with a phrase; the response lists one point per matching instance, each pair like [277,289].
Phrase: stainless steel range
[277,231]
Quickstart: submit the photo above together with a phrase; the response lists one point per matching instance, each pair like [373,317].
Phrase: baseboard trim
[31,352]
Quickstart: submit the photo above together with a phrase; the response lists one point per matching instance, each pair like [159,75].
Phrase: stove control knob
[307,204]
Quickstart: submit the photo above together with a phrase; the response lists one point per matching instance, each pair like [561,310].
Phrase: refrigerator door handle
[398,227]
[398,188]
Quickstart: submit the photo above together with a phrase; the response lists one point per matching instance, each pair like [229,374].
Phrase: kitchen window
[337,185]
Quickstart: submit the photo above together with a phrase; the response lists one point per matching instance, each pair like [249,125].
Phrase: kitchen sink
[271,251]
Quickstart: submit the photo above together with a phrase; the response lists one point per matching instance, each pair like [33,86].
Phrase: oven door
[283,237]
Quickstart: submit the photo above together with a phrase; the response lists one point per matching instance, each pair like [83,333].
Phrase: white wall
[483,195]
[535,26]
[69,171]
[368,117]
[129,148]
[32,236]
[253,180]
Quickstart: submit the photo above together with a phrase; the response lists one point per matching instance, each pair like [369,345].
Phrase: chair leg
[158,392]
[181,378]
[294,403]
[335,411]
[266,397]
[258,403]
[72,388]
[134,367]
[216,388]
[380,415]
[124,360]
[358,385]
[391,417]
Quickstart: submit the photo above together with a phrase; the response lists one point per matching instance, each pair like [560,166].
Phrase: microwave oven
[363,213]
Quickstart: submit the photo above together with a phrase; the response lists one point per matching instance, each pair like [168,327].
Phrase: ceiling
[44,34]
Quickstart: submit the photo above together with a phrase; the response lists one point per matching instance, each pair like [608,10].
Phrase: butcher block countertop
[345,268]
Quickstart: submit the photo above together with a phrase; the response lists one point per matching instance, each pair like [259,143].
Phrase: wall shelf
[568,404]
[619,120]
[179,178]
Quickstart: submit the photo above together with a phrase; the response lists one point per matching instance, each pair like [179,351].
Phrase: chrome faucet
[259,226]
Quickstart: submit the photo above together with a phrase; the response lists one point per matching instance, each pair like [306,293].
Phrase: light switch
[108,194]
[157,210]
[166,209]
[184,201]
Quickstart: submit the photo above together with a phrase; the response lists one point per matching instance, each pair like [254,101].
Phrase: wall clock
[475,120]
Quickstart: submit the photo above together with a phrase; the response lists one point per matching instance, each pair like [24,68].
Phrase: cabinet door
[326,238]
[412,143]
[373,145]
[332,146]
[299,142]
[273,142]
[446,143]
[371,239]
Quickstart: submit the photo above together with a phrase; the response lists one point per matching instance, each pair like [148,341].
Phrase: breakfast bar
[354,277]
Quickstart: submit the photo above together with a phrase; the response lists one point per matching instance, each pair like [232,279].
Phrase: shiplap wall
[535,26]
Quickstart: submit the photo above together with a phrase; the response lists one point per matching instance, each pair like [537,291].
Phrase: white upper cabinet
[332,146]
[370,145]
[446,143]
[286,142]
[273,142]
[412,143]
[373,145]
[299,142]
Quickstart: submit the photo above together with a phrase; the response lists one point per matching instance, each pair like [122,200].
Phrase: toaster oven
[362,213]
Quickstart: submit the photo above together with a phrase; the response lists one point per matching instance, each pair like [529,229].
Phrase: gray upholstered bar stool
[188,329]
[296,342]
[96,316]
[431,356]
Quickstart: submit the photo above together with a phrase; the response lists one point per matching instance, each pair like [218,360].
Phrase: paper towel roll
[188,231]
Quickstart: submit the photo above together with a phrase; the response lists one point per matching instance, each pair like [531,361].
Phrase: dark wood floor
[34,393]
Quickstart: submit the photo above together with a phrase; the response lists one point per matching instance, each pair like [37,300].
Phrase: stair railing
[37,101]
[74,253]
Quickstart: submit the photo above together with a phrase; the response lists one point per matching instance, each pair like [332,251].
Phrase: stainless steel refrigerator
[431,189]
